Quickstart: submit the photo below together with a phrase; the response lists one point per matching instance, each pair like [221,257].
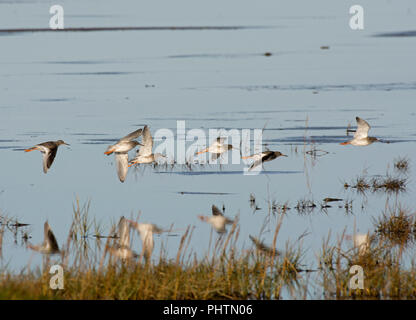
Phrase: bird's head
[136,143]
[60,142]
[157,229]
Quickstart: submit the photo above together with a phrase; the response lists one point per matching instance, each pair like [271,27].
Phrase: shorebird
[49,245]
[48,150]
[264,156]
[217,148]
[217,220]
[261,246]
[121,149]
[145,153]
[146,231]
[361,137]
[361,241]
[121,249]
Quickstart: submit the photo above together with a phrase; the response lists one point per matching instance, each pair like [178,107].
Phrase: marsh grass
[263,271]
[397,226]
[385,274]
[388,184]
[225,272]
[402,164]
[305,206]
[302,206]
[279,208]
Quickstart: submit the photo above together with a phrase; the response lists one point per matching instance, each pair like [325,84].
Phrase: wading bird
[121,249]
[49,245]
[261,246]
[361,241]
[121,149]
[261,157]
[145,153]
[361,137]
[146,231]
[217,220]
[217,148]
[48,150]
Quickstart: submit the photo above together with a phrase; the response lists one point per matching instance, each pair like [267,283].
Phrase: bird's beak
[67,144]
[141,144]
[283,155]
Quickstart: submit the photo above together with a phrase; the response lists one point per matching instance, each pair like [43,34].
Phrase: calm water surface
[91,88]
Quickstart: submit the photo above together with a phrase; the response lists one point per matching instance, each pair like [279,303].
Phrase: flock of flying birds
[145,155]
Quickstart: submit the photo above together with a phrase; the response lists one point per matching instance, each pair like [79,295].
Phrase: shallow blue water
[91,88]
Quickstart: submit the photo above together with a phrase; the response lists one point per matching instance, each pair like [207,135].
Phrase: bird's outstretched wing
[254,157]
[216,211]
[124,233]
[263,247]
[255,164]
[122,164]
[362,129]
[147,141]
[159,158]
[48,157]
[132,136]
[215,156]
[49,239]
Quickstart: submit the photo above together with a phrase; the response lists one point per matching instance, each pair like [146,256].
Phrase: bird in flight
[145,153]
[217,148]
[261,246]
[361,241]
[121,249]
[260,158]
[48,150]
[146,231]
[361,137]
[217,220]
[121,149]
[49,245]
